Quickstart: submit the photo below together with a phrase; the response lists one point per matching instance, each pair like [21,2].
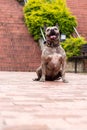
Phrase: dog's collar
[52,44]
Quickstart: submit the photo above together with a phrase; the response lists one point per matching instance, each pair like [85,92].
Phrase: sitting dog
[53,58]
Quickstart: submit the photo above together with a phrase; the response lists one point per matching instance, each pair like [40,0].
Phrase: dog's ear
[45,27]
[57,25]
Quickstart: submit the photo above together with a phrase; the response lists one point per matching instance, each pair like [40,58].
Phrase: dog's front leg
[42,79]
[63,71]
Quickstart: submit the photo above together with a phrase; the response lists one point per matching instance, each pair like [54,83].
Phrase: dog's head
[52,33]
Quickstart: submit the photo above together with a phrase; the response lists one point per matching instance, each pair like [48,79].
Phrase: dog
[53,58]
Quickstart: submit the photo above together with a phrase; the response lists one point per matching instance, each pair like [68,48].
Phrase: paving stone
[29,105]
[29,127]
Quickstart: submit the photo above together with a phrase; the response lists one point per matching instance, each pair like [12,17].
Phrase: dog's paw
[42,80]
[36,79]
[65,81]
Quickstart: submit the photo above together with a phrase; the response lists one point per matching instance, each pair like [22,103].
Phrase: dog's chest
[50,51]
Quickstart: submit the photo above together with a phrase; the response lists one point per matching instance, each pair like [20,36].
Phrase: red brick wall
[79,9]
[18,50]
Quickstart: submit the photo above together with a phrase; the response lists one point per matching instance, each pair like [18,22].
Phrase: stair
[18,50]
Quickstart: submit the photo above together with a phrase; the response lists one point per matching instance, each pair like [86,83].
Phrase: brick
[30,105]
[29,127]
[18,50]
[79,10]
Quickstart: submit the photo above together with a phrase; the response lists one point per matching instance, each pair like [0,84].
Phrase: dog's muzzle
[52,33]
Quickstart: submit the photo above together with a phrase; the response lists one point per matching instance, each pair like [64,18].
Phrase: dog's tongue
[53,37]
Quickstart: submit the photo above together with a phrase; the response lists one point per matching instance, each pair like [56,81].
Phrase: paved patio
[31,105]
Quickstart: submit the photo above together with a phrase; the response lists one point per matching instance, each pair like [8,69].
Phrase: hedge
[72,46]
[49,12]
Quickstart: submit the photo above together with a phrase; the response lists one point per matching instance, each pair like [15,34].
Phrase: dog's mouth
[53,37]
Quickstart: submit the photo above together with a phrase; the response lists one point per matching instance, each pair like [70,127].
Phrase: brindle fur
[53,58]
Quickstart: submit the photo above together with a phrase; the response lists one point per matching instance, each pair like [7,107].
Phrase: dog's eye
[48,30]
[55,29]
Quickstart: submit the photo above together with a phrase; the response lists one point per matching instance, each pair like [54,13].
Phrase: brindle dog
[53,58]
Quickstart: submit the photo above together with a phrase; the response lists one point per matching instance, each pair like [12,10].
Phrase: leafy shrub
[72,46]
[49,12]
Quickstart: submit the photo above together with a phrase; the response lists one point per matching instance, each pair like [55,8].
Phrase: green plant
[72,46]
[49,12]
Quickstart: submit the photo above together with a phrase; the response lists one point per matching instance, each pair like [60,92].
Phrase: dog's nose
[52,32]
